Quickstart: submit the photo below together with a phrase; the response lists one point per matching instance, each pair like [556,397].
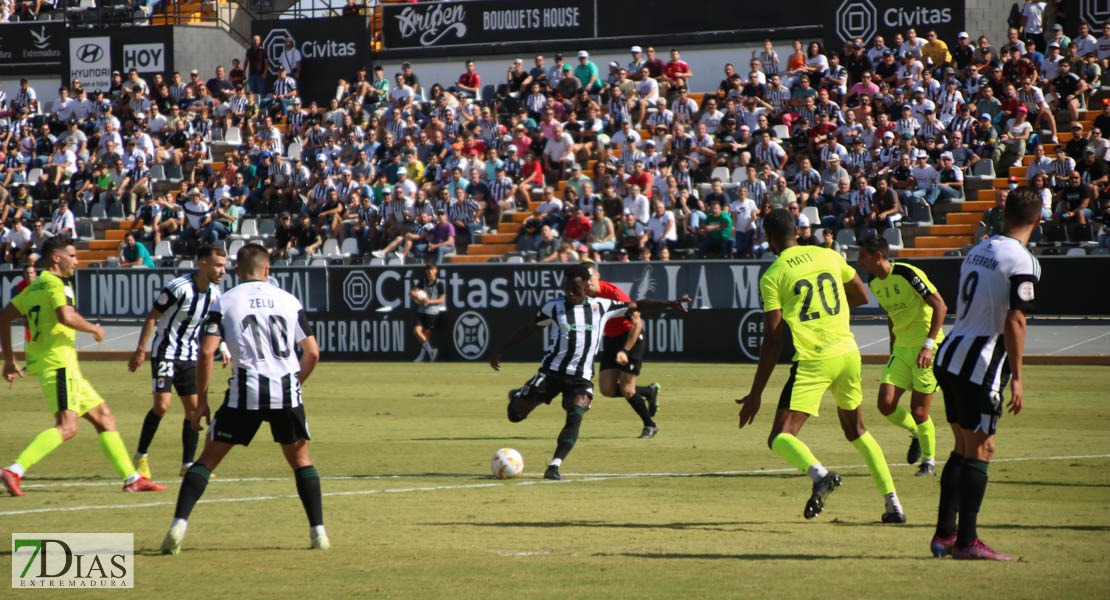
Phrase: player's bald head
[252,261]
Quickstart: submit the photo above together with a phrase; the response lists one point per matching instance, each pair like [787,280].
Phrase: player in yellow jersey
[915,314]
[812,289]
[48,305]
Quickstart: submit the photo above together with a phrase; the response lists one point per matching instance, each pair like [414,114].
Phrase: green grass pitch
[703,510]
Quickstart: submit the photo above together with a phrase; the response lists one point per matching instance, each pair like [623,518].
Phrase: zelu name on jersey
[262,303]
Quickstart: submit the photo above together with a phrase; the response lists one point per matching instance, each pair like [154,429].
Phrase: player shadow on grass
[1050,483]
[725,526]
[494,438]
[674,555]
[158,552]
[1021,526]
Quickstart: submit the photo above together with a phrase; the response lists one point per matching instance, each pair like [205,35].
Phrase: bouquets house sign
[444,24]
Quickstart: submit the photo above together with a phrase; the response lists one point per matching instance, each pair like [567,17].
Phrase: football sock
[422,354]
[902,418]
[43,444]
[892,503]
[189,437]
[973,485]
[192,487]
[927,434]
[639,404]
[816,472]
[428,348]
[795,451]
[569,435]
[876,463]
[111,444]
[643,390]
[949,503]
[308,488]
[17,469]
[150,427]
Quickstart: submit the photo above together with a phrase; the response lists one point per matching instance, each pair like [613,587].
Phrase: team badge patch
[1025,291]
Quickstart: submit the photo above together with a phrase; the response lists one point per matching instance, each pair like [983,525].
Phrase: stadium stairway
[958,221]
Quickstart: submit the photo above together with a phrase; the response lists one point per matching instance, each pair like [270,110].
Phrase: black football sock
[192,487]
[639,404]
[643,390]
[189,437]
[973,485]
[150,427]
[569,435]
[308,488]
[949,495]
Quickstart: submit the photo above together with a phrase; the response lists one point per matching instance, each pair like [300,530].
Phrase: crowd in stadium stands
[624,161]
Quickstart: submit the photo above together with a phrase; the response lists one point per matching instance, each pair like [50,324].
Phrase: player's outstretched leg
[43,444]
[861,439]
[633,394]
[569,435]
[900,417]
[797,453]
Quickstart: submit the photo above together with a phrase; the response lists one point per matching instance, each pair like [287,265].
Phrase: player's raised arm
[11,369]
[856,291]
[653,305]
[768,353]
[521,334]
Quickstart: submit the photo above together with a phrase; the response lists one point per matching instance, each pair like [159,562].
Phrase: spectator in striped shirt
[285,88]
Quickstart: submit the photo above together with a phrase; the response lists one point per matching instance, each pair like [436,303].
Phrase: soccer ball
[421,295]
[506,464]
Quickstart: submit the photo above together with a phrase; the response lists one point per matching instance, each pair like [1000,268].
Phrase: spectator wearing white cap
[925,179]
[586,73]
[950,185]
[636,63]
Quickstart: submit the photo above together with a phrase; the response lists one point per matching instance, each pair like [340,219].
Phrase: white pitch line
[579,479]
[873,343]
[1081,343]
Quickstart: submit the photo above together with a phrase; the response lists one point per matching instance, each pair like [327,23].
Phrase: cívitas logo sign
[431,23]
[73,560]
[274,45]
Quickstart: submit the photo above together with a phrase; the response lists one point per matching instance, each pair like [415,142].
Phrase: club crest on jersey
[1025,291]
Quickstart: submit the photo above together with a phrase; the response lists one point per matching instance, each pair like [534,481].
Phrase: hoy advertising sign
[846,20]
[438,24]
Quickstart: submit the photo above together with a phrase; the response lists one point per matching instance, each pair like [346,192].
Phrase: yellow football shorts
[66,389]
[902,372]
[810,378]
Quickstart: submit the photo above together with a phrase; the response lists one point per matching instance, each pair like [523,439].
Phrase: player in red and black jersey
[622,356]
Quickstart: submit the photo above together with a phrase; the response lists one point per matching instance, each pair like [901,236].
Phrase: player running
[48,304]
[178,313]
[622,356]
[983,351]
[915,314]
[430,295]
[261,324]
[567,368]
[812,288]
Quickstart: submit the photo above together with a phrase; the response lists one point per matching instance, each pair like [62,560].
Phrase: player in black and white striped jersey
[983,352]
[429,294]
[568,367]
[262,324]
[176,318]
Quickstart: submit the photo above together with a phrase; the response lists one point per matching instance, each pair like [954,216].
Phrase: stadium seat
[920,213]
[98,211]
[780,132]
[85,231]
[377,262]
[846,238]
[869,232]
[811,213]
[819,233]
[983,168]
[331,248]
[115,210]
[174,173]
[318,262]
[248,228]
[232,136]
[157,173]
[893,236]
[349,247]
[33,175]
[1095,251]
[233,248]
[293,150]
[1076,252]
[769,256]
[514,259]
[186,264]
[1036,235]
[739,175]
[267,228]
[394,260]
[163,249]
[281,262]
[79,210]
[953,253]
[720,173]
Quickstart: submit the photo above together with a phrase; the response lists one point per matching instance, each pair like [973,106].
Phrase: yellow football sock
[111,444]
[43,444]
[876,463]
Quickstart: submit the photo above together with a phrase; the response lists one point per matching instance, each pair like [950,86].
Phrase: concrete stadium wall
[203,48]
[988,17]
